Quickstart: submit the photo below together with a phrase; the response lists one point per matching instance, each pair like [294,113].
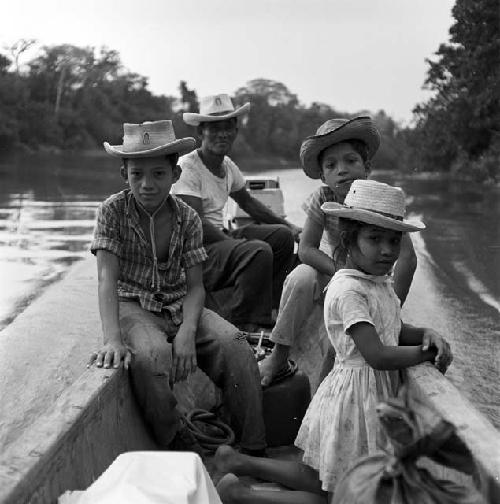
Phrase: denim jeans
[222,353]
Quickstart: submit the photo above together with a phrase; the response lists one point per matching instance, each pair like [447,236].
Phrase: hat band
[384,214]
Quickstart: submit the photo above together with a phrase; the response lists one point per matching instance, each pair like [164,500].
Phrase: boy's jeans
[222,353]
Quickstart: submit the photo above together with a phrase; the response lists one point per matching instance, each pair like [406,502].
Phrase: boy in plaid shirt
[149,250]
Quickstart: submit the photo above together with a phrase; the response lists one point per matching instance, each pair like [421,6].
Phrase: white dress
[341,424]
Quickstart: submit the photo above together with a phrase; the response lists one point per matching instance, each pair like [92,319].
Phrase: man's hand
[111,355]
[444,357]
[183,355]
[296,230]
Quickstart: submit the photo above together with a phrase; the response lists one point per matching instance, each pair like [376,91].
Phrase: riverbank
[248,163]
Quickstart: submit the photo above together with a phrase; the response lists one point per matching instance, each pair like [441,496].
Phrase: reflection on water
[462,235]
[47,210]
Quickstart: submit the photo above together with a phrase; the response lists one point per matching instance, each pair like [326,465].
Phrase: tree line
[74,98]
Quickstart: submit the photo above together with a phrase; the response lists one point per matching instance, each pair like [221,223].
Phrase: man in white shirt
[253,260]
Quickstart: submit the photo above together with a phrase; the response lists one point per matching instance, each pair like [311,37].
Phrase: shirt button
[158,297]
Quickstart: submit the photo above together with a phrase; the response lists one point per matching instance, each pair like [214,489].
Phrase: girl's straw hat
[374,203]
[335,131]
[150,139]
[214,108]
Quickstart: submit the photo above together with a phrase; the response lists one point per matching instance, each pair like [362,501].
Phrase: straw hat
[214,108]
[374,203]
[149,139]
[335,131]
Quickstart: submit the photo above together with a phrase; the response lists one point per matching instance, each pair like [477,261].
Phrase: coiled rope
[209,431]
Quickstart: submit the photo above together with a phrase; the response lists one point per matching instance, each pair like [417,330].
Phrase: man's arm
[113,350]
[405,268]
[211,233]
[259,212]
[184,349]
[309,252]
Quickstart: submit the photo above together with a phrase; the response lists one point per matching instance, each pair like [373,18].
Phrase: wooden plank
[67,448]
[475,430]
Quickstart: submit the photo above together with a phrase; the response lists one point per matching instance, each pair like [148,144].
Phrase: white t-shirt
[198,181]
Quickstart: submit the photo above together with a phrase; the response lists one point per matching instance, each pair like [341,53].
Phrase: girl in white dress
[362,317]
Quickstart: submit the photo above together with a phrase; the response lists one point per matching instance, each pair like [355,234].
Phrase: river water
[47,210]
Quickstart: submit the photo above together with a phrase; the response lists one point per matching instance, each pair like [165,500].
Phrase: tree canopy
[74,98]
[458,129]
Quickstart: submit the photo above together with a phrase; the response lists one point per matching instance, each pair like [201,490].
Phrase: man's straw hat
[374,203]
[214,108]
[150,139]
[335,131]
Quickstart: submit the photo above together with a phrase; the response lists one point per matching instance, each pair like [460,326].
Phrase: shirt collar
[366,276]
[133,212]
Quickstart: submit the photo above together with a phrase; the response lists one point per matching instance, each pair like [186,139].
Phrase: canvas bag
[393,477]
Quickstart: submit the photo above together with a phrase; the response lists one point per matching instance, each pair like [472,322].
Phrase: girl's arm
[309,252]
[383,357]
[410,335]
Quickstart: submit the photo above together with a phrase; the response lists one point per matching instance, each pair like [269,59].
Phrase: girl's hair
[171,158]
[348,233]
[358,145]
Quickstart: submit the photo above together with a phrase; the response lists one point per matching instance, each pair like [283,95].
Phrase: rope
[209,431]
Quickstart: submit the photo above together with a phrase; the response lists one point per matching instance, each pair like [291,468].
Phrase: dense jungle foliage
[74,98]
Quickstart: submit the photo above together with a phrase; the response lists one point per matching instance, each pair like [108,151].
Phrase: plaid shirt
[118,231]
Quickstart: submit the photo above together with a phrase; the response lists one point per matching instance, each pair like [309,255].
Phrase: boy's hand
[183,355]
[111,355]
[296,230]
[444,356]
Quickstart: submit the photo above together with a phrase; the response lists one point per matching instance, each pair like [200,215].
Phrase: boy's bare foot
[272,365]
[227,460]
[231,489]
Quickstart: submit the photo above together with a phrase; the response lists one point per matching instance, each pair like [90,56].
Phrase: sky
[351,54]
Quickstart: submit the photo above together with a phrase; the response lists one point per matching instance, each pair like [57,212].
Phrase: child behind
[340,152]
[362,317]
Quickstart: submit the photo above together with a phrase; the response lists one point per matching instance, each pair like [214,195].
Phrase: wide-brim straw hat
[335,131]
[374,203]
[214,108]
[150,139]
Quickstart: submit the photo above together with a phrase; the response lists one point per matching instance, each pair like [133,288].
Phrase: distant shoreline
[247,164]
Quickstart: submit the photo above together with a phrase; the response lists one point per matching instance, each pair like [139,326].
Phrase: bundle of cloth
[152,477]
[393,476]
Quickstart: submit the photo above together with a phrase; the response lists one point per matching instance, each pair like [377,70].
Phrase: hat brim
[373,218]
[181,147]
[194,119]
[359,128]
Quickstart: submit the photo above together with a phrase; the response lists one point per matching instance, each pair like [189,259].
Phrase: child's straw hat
[150,139]
[214,108]
[335,131]
[374,203]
